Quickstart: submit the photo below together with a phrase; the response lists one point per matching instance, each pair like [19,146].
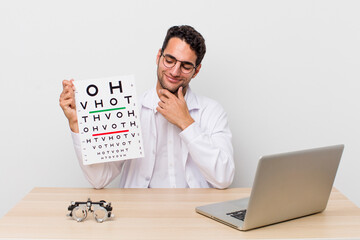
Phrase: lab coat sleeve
[209,143]
[101,174]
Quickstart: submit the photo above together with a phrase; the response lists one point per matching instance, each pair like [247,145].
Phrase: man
[187,141]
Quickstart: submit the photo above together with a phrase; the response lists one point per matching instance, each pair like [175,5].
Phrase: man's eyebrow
[169,55]
[186,62]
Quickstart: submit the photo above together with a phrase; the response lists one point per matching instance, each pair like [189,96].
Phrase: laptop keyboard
[238,214]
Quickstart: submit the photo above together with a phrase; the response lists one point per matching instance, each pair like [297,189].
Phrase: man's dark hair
[191,37]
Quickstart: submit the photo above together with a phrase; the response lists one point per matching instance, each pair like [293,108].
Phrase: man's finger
[180,93]
[67,91]
[163,99]
[160,110]
[67,102]
[166,93]
[72,84]
[68,83]
[67,96]
[161,104]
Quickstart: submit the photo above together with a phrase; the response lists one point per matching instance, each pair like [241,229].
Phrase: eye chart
[108,119]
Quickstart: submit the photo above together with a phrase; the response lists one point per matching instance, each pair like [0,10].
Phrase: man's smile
[172,79]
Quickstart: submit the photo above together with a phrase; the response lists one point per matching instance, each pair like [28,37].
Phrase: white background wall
[287,72]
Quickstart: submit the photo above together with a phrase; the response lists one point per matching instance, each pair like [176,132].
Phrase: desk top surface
[162,214]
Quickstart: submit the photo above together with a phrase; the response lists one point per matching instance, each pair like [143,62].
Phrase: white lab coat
[206,148]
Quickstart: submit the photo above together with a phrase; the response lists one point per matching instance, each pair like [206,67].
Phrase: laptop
[286,186]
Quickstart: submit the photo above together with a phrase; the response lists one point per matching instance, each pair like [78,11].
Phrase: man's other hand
[67,103]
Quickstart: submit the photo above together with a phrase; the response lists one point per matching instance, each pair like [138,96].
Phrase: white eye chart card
[108,119]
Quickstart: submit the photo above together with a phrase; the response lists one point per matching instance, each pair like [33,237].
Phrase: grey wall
[287,72]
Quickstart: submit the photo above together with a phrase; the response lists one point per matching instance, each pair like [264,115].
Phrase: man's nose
[176,70]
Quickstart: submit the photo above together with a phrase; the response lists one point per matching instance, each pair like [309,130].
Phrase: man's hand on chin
[174,108]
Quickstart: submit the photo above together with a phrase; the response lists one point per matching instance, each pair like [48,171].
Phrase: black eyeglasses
[170,61]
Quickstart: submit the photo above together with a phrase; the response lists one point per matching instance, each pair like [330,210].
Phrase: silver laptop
[286,186]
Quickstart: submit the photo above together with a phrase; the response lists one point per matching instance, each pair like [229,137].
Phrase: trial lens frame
[79,210]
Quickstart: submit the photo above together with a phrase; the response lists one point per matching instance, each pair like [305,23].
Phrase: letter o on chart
[113,101]
[96,90]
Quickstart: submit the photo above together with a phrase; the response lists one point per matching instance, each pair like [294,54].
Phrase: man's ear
[197,70]
[158,57]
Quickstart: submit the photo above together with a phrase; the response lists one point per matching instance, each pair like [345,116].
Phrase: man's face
[173,78]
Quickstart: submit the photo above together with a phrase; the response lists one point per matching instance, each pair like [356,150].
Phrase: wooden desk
[162,214]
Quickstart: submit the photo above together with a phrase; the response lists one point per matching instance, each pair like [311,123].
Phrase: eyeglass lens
[170,61]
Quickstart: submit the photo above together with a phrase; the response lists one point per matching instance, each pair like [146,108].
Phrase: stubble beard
[162,83]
